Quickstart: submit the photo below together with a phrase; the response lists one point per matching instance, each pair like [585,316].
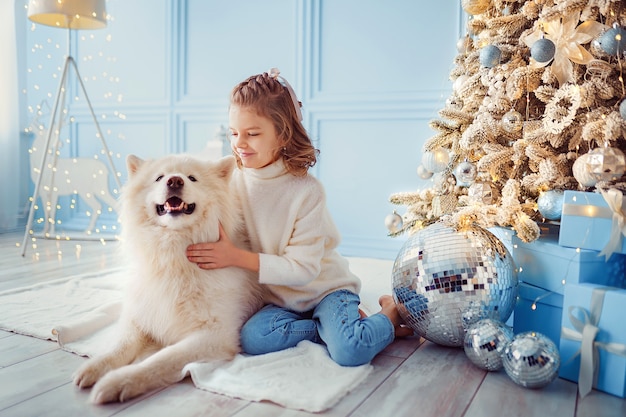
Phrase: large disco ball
[445,280]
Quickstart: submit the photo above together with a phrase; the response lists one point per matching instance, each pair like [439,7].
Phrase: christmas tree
[538,107]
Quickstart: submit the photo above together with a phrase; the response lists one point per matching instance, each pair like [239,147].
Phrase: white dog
[174,313]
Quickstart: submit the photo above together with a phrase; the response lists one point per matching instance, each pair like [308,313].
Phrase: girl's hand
[213,255]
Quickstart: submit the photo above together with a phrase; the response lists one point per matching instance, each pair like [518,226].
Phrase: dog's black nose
[175,183]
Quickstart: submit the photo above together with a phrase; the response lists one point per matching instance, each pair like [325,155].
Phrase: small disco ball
[485,341]
[531,360]
[445,280]
[512,121]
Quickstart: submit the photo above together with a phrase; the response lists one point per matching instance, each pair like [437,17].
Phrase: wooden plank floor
[410,377]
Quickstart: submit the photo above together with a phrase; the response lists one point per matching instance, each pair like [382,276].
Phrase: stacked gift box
[587,220]
[594,337]
[573,289]
[546,268]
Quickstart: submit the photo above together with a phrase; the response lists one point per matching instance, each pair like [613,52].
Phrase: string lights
[63,219]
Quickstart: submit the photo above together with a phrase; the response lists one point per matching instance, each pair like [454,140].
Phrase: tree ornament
[455,103]
[483,192]
[531,360]
[569,37]
[440,180]
[464,44]
[485,342]
[436,160]
[582,171]
[443,204]
[560,111]
[512,121]
[475,7]
[490,56]
[597,70]
[543,50]
[596,49]
[622,109]
[613,41]
[550,204]
[465,173]
[606,163]
[393,222]
[423,173]
[439,275]
[459,82]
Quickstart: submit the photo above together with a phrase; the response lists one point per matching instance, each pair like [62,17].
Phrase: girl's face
[252,137]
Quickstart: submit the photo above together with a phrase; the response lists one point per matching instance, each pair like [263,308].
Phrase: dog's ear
[225,166]
[133,163]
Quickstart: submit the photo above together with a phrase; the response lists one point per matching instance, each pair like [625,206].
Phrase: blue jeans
[335,322]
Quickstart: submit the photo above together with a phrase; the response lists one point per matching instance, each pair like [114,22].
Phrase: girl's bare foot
[390,310]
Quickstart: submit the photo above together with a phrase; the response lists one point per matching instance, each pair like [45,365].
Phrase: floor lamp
[70,15]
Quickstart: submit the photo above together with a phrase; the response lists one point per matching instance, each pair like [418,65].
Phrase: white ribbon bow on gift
[614,199]
[585,332]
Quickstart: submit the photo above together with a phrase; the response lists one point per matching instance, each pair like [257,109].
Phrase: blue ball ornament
[550,204]
[613,41]
[543,50]
[490,56]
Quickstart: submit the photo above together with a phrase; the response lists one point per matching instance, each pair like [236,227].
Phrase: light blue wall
[370,74]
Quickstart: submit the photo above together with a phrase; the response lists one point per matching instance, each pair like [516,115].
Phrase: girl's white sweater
[290,227]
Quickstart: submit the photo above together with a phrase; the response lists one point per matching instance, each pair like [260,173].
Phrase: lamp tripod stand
[54,123]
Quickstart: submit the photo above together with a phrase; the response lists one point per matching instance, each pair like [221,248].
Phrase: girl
[313,295]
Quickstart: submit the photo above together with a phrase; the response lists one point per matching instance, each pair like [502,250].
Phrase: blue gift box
[583,302]
[538,310]
[546,264]
[587,222]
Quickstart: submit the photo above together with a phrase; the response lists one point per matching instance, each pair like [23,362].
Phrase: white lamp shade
[72,14]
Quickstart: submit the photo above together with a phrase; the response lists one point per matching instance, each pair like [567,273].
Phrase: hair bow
[275,74]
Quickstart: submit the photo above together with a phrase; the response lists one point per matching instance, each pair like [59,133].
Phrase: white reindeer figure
[87,177]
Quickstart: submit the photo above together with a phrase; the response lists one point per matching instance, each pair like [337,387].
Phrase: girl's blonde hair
[270,98]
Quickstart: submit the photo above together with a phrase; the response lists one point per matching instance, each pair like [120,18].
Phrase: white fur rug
[81,312]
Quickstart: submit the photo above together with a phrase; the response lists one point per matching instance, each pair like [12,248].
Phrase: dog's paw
[119,385]
[89,373]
